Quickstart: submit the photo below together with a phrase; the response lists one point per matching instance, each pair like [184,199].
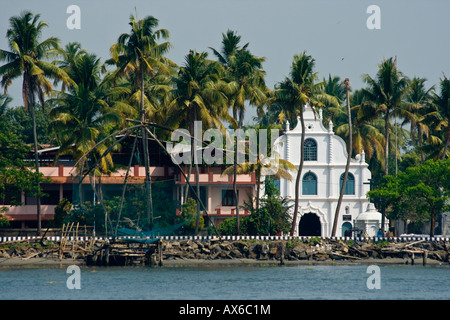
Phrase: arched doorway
[309,225]
[346,229]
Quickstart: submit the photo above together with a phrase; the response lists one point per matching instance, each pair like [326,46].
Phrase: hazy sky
[333,32]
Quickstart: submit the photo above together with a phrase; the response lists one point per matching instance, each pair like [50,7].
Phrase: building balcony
[63,174]
[212,178]
[223,211]
[28,212]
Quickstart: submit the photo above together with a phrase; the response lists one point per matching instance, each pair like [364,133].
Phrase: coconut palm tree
[245,81]
[26,59]
[386,93]
[198,96]
[139,54]
[441,103]
[366,135]
[349,155]
[292,94]
[80,116]
[282,169]
[415,112]
[83,117]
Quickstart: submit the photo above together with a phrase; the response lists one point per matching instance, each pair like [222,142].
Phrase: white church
[325,157]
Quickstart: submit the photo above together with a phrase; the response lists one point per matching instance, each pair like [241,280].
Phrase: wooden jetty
[124,252]
[109,251]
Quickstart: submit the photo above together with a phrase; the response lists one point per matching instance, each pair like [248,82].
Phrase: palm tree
[245,78]
[416,112]
[386,92]
[334,87]
[283,167]
[441,103]
[26,59]
[71,53]
[349,155]
[83,117]
[4,102]
[139,53]
[198,96]
[80,115]
[292,95]
[365,127]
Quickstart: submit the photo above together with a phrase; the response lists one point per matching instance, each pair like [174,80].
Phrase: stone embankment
[308,249]
[219,250]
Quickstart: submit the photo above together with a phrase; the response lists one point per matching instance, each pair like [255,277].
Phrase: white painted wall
[330,164]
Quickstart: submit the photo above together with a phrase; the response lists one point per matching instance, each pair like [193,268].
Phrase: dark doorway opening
[309,225]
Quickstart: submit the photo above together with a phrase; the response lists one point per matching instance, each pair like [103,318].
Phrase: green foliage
[227,227]
[271,218]
[188,215]
[4,221]
[292,242]
[418,194]
[61,211]
[15,177]
[21,124]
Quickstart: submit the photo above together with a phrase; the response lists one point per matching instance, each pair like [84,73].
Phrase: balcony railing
[222,211]
[218,178]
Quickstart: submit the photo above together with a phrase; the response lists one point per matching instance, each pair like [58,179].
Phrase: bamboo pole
[61,241]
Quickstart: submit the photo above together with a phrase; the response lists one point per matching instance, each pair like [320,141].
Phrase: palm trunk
[238,227]
[420,134]
[258,183]
[197,175]
[396,147]
[148,190]
[28,97]
[186,192]
[299,173]
[235,190]
[432,222]
[36,163]
[347,165]
[386,163]
[386,143]
[190,120]
[197,220]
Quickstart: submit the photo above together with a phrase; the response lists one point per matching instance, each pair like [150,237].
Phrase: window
[309,184]
[310,150]
[350,185]
[228,198]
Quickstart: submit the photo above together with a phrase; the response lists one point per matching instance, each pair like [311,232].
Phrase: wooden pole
[425,256]
[107,255]
[160,253]
[282,254]
[61,241]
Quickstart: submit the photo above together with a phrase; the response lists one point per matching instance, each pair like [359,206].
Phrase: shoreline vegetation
[87,108]
[220,252]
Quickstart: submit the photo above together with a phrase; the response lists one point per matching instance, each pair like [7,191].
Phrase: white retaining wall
[234,238]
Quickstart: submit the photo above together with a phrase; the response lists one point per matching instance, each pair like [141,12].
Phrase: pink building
[216,190]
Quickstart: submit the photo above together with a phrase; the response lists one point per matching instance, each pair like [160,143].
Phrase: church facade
[325,157]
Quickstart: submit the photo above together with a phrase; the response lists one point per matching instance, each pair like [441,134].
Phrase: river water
[389,282]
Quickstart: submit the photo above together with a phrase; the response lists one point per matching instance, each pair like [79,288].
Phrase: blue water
[224,283]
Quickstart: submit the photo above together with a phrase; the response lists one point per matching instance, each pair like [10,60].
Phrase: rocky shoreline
[217,251]
[313,250]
